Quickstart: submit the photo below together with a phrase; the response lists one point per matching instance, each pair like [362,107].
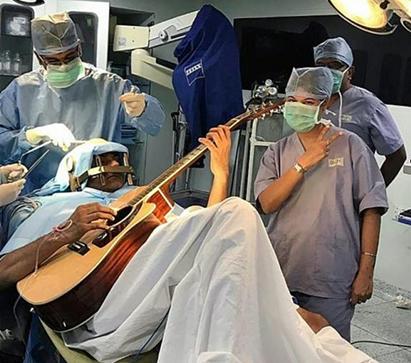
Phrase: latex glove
[10,191]
[58,134]
[134,103]
[13,172]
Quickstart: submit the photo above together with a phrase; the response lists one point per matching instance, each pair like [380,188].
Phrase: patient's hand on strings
[87,217]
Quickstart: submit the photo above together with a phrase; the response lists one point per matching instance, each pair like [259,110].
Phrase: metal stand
[181,189]
[258,136]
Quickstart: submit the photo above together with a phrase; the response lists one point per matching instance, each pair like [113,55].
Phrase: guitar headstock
[266,109]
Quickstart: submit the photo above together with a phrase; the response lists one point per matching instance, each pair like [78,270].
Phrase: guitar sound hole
[121,214]
[122,218]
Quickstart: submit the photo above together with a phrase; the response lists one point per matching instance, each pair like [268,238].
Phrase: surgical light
[405,6]
[375,16]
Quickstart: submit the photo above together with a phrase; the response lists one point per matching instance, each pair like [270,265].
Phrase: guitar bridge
[79,247]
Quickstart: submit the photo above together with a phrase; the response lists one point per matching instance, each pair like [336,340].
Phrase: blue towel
[207,79]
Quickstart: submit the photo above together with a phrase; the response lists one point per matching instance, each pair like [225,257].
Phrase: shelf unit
[14,43]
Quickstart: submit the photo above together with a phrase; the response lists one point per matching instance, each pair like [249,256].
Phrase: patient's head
[97,164]
[108,181]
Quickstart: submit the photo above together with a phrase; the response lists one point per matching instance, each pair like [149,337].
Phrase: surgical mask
[65,75]
[301,117]
[338,77]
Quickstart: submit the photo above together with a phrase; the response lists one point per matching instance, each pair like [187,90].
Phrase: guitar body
[69,288]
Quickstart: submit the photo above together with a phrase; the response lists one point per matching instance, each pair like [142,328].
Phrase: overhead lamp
[375,16]
[405,6]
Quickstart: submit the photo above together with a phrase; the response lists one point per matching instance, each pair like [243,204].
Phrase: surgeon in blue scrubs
[325,196]
[358,110]
[66,99]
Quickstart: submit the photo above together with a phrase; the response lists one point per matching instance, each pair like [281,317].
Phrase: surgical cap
[316,82]
[336,48]
[53,34]
[81,158]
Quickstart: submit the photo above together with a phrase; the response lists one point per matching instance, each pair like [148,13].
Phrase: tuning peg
[263,116]
[271,112]
[268,82]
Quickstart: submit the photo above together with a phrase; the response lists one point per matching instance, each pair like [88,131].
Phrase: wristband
[369,254]
[63,226]
[299,168]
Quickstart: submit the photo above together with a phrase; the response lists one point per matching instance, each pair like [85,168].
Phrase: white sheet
[229,304]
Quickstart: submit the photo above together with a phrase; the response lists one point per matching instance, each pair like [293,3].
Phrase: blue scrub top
[368,117]
[316,232]
[89,108]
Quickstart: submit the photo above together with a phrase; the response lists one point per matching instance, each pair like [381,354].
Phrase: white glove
[10,191]
[13,172]
[58,134]
[135,103]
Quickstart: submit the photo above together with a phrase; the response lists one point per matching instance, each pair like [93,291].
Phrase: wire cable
[152,335]
[382,343]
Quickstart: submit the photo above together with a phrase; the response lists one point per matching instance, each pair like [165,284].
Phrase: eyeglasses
[62,59]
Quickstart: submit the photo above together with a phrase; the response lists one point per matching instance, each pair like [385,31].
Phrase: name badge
[346,118]
[332,163]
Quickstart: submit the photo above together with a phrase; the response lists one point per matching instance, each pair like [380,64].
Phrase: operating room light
[363,12]
[405,6]
[375,16]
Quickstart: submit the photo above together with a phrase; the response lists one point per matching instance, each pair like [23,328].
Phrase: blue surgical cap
[336,48]
[81,159]
[53,34]
[316,82]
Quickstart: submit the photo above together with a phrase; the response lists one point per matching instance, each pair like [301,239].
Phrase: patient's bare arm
[19,263]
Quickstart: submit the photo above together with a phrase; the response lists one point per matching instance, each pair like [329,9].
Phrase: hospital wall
[394,256]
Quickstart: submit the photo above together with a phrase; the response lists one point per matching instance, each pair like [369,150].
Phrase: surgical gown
[216,275]
[368,117]
[90,108]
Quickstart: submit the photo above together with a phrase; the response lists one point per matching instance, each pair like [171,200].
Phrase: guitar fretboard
[172,172]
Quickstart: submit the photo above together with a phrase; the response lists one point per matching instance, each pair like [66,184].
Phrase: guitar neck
[172,172]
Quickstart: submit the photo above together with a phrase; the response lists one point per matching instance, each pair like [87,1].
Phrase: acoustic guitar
[69,287]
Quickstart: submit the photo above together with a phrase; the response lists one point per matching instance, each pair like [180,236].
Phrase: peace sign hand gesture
[318,150]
